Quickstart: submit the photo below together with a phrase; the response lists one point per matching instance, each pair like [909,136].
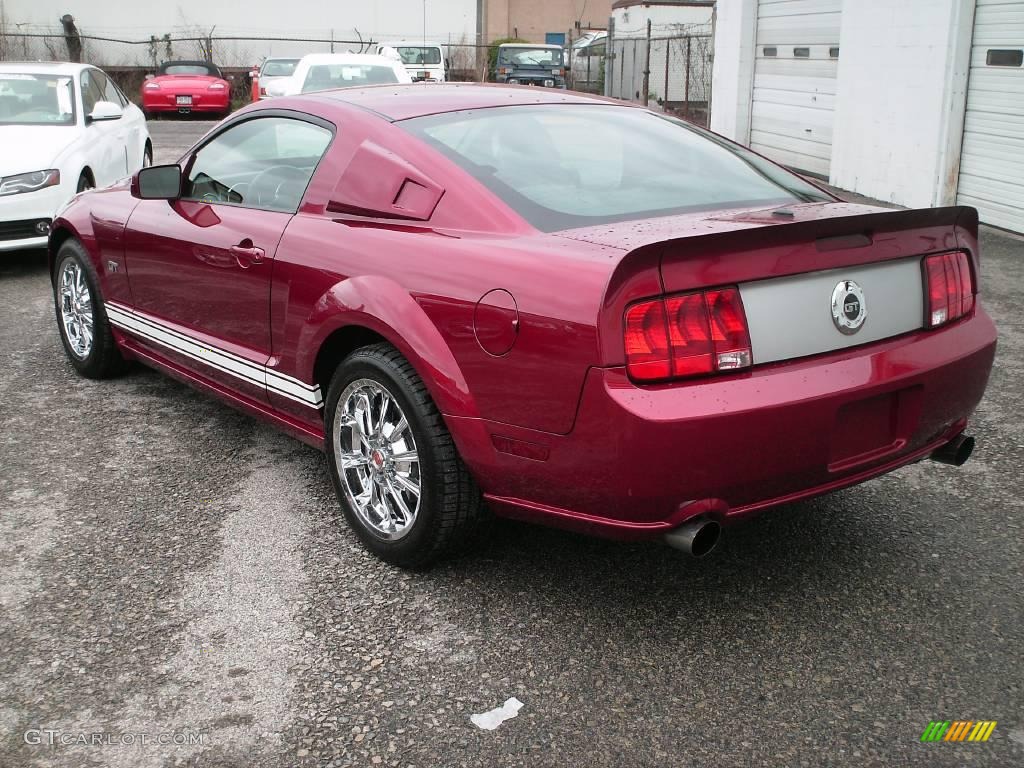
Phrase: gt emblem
[849,309]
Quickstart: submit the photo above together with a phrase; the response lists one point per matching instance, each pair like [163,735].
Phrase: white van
[424,61]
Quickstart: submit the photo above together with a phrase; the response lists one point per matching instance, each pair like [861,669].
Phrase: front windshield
[530,57]
[561,167]
[27,99]
[279,68]
[194,70]
[323,77]
[419,56]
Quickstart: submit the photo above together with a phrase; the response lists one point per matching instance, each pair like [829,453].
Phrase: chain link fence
[671,69]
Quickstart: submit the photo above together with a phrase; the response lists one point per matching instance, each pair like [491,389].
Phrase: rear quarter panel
[434,273]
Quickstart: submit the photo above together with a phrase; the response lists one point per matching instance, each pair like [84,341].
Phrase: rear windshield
[527,58]
[279,67]
[561,167]
[322,77]
[36,99]
[423,56]
[189,68]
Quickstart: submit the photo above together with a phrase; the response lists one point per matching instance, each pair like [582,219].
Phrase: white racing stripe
[153,330]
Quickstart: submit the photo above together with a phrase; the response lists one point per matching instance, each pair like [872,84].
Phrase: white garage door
[992,162]
[795,82]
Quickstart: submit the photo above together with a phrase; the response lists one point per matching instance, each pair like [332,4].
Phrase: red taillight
[687,335]
[950,287]
[647,341]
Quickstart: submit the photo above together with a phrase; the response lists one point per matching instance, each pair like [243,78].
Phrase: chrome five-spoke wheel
[76,309]
[377,460]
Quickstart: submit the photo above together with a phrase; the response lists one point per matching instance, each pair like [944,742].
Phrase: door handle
[246,254]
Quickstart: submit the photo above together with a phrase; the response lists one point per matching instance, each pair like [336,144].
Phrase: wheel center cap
[377,457]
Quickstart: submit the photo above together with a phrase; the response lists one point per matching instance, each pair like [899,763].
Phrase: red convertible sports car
[185,87]
[547,305]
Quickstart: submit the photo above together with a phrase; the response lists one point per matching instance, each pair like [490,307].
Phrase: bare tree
[71,37]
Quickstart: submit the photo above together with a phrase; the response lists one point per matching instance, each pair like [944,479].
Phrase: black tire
[84,182]
[147,156]
[103,360]
[450,507]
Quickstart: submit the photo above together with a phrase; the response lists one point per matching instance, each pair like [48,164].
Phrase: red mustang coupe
[562,309]
[186,86]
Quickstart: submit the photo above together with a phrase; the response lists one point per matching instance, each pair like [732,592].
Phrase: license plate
[868,429]
[184,101]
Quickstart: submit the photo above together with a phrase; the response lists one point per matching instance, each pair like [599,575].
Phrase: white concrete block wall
[901,98]
[733,71]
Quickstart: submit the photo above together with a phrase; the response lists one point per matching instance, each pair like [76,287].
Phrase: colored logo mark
[958,730]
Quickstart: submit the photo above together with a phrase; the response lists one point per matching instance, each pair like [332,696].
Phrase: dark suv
[529,64]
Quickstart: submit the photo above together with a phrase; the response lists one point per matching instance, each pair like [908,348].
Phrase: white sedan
[64,128]
[325,71]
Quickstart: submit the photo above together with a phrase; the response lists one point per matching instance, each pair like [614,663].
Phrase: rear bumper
[640,461]
[167,102]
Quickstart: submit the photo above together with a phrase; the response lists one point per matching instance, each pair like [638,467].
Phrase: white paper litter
[491,720]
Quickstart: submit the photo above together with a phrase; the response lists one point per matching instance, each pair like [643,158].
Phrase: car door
[131,126]
[199,267]
[104,138]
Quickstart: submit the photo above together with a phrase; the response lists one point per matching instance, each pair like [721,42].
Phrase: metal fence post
[645,97]
[609,57]
[686,111]
[668,55]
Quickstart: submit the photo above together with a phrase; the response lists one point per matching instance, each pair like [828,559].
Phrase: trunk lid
[788,262]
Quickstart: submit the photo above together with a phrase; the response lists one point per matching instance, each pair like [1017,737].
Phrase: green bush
[492,53]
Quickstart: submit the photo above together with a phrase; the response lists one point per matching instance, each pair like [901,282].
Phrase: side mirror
[150,77]
[158,182]
[230,77]
[105,110]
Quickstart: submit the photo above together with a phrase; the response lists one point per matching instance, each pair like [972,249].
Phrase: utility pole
[645,97]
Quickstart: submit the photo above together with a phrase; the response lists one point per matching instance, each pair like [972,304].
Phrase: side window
[113,94]
[264,163]
[92,88]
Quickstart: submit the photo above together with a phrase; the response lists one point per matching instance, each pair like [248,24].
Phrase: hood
[27,148]
[185,83]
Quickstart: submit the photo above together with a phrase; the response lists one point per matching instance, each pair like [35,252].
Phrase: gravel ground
[168,565]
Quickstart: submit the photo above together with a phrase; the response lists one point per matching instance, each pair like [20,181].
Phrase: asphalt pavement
[172,570]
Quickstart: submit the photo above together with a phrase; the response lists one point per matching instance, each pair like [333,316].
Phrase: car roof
[346,58]
[411,43]
[188,63]
[401,102]
[529,45]
[43,67]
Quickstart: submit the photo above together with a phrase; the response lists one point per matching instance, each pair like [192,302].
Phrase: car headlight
[29,182]
[549,83]
[217,87]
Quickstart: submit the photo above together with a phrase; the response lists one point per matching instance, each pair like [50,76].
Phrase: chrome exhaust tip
[696,538]
[956,452]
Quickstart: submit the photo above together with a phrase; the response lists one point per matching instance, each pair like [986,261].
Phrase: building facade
[919,103]
[542,21]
